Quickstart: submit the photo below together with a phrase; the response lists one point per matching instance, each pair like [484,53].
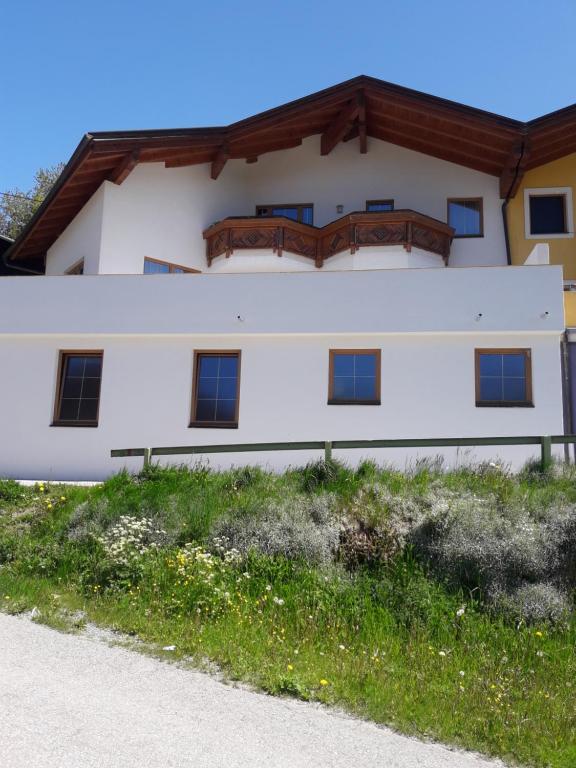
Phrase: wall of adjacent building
[161,213]
[427,324]
[560,173]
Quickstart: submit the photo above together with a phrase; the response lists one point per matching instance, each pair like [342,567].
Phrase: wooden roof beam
[222,157]
[362,132]
[341,126]
[125,168]
[514,169]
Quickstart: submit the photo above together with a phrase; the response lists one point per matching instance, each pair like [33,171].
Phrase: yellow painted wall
[560,173]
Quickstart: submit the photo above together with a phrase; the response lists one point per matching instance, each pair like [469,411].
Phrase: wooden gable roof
[353,110]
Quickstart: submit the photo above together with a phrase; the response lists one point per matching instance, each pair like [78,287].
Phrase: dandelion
[323,682]
[268,587]
[540,653]
[342,647]
[278,600]
[290,667]
[48,506]
[461,673]
[441,653]
[62,498]
[538,634]
[460,612]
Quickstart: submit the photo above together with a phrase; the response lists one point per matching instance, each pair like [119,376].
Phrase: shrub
[319,474]
[11,491]
[297,528]
[533,603]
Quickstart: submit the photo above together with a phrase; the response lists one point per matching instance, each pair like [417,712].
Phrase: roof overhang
[352,110]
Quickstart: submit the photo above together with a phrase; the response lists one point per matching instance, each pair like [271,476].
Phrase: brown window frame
[298,206]
[336,401]
[528,402]
[173,267]
[198,353]
[466,200]
[379,202]
[62,356]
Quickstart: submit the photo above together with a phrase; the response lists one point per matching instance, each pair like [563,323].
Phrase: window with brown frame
[78,388]
[466,215]
[503,378]
[303,212]
[354,377]
[76,269]
[216,389]
[379,205]
[157,267]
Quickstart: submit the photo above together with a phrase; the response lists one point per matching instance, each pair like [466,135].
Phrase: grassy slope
[388,645]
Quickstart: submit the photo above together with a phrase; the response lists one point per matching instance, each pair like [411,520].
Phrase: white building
[333,269]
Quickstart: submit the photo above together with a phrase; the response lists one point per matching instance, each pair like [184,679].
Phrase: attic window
[77,269]
[379,205]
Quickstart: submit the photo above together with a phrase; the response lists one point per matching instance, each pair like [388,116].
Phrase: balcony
[404,228]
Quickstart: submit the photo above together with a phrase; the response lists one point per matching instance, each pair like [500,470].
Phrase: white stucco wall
[160,212]
[424,321]
[82,239]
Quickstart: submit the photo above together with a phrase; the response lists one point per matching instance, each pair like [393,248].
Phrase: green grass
[386,643]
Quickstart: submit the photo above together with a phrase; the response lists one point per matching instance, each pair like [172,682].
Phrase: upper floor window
[156,267]
[78,389]
[216,389]
[379,205]
[466,216]
[503,377]
[548,213]
[303,212]
[354,377]
[76,269]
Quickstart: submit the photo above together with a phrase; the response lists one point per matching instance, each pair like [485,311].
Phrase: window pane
[228,366]
[154,268]
[227,388]
[72,386]
[343,365]
[69,410]
[290,213]
[206,410]
[380,205]
[547,214]
[75,366]
[490,365]
[491,388]
[209,365]
[225,410]
[91,388]
[92,366]
[88,410]
[343,388]
[465,217]
[513,365]
[365,388]
[514,389]
[307,214]
[365,365]
[207,387]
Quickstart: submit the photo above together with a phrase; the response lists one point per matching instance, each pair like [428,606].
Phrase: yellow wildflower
[323,682]
[290,667]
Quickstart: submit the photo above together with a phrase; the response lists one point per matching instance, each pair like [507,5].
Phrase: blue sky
[70,67]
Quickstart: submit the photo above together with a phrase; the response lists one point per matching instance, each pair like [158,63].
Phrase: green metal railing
[544,441]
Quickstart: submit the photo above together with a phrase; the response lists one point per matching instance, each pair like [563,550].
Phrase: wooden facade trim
[351,232]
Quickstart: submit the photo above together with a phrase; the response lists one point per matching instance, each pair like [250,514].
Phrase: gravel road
[71,701]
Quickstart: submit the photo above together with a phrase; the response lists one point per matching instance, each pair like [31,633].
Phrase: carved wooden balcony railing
[355,230]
